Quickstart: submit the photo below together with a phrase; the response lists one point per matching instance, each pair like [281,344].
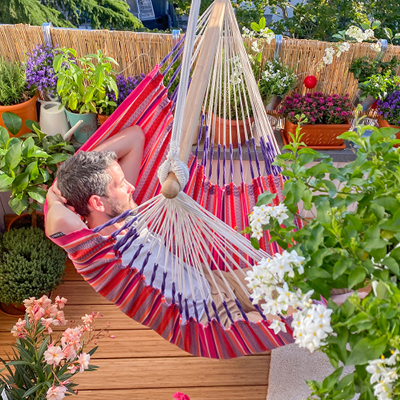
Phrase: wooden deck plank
[204,393]
[175,372]
[79,292]
[70,272]
[111,313]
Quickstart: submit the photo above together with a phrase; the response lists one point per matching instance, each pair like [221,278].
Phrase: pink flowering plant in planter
[45,362]
[317,107]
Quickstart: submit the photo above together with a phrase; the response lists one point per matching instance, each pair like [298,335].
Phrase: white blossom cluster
[247,32]
[281,80]
[237,70]
[383,376]
[262,215]
[311,326]
[376,46]
[328,57]
[357,33]
[267,34]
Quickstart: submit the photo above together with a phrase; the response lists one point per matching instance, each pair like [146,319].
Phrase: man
[94,187]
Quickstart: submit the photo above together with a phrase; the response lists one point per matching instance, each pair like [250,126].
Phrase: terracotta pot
[12,310]
[384,124]
[237,128]
[319,136]
[25,111]
[102,118]
[25,220]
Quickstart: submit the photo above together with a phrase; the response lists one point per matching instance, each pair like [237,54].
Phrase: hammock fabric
[101,266]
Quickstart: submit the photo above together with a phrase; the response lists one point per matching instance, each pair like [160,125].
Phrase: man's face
[119,193]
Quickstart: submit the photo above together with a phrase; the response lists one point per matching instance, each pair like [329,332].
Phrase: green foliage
[103,14]
[13,88]
[379,86]
[29,162]
[346,249]
[30,265]
[83,85]
[363,68]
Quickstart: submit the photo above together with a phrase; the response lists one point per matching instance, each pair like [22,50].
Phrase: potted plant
[82,85]
[29,164]
[352,243]
[45,363]
[327,118]
[379,86]
[30,265]
[15,96]
[389,112]
[275,81]
[125,87]
[363,69]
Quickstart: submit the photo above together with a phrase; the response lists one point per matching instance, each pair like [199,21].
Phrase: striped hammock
[214,213]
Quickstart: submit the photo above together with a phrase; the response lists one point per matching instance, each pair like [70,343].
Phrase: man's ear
[96,203]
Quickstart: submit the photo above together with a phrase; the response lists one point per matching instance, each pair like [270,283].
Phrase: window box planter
[318,136]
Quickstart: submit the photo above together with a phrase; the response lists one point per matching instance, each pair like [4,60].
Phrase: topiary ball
[30,265]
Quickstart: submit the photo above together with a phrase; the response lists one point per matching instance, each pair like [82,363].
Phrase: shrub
[13,87]
[30,265]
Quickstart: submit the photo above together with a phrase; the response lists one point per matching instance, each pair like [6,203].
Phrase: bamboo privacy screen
[139,52]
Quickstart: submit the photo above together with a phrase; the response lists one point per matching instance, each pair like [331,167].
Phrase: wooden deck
[138,364]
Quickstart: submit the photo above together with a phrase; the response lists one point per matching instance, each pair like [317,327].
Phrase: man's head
[93,182]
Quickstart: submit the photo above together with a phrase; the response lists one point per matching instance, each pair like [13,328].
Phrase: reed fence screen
[138,53]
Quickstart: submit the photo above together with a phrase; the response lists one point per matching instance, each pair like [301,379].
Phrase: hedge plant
[30,265]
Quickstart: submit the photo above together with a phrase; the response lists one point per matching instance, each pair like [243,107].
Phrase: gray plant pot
[273,103]
[366,104]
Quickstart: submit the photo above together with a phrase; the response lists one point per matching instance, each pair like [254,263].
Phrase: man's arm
[60,218]
[128,145]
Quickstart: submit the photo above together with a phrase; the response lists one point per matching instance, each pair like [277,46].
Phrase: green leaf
[382,290]
[27,147]
[18,205]
[43,347]
[13,155]
[330,380]
[5,182]
[373,244]
[72,102]
[255,27]
[307,198]
[33,170]
[262,23]
[57,62]
[91,352]
[392,265]
[254,243]
[12,122]
[356,276]
[33,389]
[21,182]
[56,158]
[99,75]
[367,349]
[376,24]
[31,124]
[265,199]
[38,194]
[4,136]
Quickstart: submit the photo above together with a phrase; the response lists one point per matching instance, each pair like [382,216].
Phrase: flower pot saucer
[340,147]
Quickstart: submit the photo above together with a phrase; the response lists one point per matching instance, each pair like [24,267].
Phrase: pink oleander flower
[88,319]
[72,368]
[59,319]
[180,396]
[56,393]
[83,361]
[72,337]
[60,302]
[54,355]
[46,322]
[70,353]
[19,328]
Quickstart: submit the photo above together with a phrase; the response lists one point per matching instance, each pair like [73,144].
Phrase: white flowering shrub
[337,250]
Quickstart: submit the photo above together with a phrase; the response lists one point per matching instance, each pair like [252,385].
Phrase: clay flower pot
[232,127]
[318,136]
[102,118]
[25,111]
[384,124]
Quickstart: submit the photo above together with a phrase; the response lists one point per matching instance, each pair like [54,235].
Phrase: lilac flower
[125,87]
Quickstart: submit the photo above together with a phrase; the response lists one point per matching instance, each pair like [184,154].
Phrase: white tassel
[173,164]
